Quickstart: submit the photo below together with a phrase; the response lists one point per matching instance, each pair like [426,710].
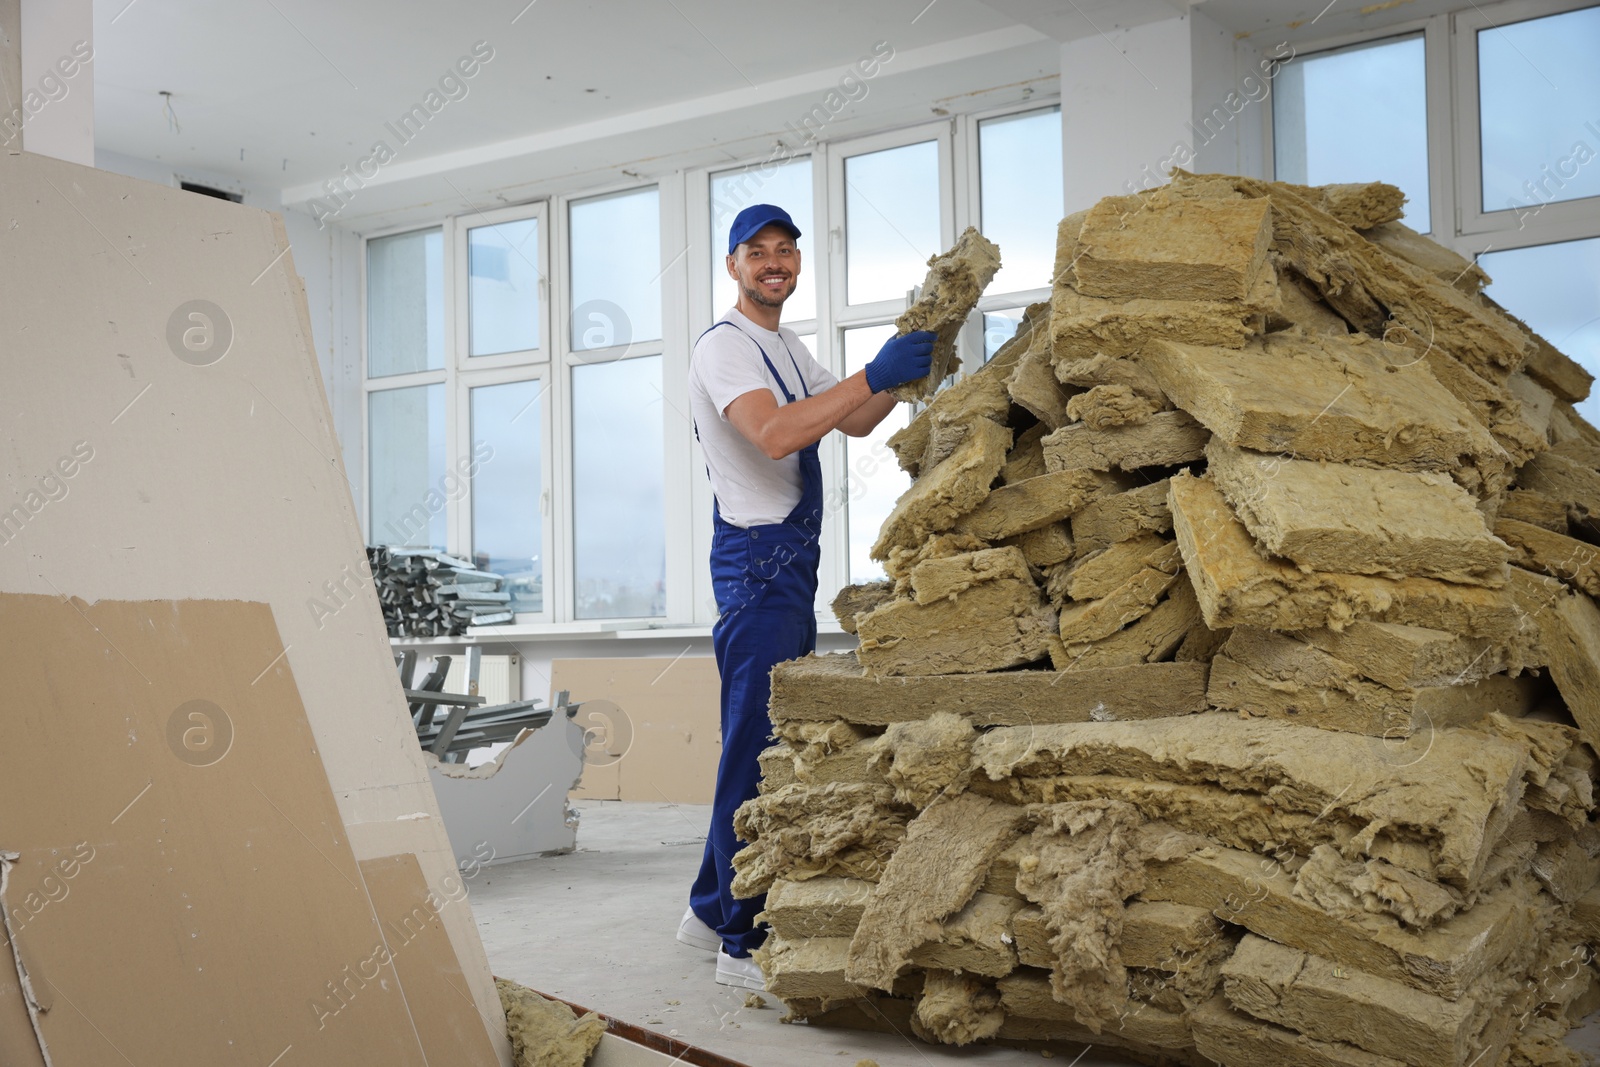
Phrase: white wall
[1125,100]
[1137,102]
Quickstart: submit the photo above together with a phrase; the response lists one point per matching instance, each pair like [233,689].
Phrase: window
[892,214]
[405,303]
[618,494]
[1555,289]
[408,487]
[1539,110]
[616,270]
[873,478]
[542,435]
[1356,114]
[618,454]
[998,328]
[789,187]
[508,488]
[1019,177]
[504,288]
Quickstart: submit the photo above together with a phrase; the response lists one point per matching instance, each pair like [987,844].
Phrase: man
[761,403]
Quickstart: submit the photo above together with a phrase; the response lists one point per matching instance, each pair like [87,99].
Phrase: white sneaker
[696,934]
[745,973]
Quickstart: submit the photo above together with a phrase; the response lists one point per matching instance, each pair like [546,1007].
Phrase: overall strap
[788,397]
[697,340]
[794,363]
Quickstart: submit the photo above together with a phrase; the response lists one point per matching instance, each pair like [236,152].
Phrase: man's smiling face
[767,266]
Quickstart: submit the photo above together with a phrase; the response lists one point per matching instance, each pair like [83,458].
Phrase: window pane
[618,489]
[507,528]
[1356,115]
[408,489]
[789,187]
[616,269]
[503,287]
[1555,289]
[1538,88]
[405,303]
[998,328]
[891,204]
[873,478]
[1019,174]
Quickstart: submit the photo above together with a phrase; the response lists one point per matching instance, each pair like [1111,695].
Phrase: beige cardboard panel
[215,913]
[409,911]
[670,713]
[191,479]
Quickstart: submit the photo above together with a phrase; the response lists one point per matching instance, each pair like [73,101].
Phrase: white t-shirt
[751,489]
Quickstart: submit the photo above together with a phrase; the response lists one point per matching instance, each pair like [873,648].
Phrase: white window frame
[462,373]
[1436,46]
[686,261]
[461,531]
[835,569]
[1455,185]
[845,313]
[369,385]
[462,285]
[1555,222]
[672,350]
[969,212]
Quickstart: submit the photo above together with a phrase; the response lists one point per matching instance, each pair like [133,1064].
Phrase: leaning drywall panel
[19,1044]
[411,912]
[166,438]
[207,906]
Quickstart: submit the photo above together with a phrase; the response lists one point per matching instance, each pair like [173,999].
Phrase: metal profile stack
[425,593]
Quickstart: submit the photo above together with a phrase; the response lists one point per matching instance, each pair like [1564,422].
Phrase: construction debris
[429,594]
[955,281]
[545,1032]
[1234,693]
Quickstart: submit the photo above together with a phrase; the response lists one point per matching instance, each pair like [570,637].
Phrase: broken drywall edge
[30,1000]
[487,769]
[489,810]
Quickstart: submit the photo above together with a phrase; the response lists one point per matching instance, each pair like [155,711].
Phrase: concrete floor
[596,927]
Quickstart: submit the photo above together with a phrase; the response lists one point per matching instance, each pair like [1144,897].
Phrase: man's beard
[756,295]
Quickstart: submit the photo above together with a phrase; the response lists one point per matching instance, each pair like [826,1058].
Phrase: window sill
[610,629]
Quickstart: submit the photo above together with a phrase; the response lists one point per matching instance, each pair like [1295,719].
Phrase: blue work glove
[901,360]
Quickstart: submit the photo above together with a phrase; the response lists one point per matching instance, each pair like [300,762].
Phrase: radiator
[499,678]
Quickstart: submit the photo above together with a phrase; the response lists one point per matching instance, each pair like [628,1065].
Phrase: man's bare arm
[781,431]
[864,419]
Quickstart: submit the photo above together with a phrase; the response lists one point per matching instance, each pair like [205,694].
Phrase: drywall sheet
[19,1045]
[654,727]
[166,438]
[214,913]
[515,806]
[409,911]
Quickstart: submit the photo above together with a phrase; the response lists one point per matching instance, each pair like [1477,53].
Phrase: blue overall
[765,581]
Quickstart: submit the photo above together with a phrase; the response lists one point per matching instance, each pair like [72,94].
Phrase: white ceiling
[297,85]
[282,94]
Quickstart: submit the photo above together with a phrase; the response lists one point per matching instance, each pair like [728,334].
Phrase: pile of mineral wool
[1234,691]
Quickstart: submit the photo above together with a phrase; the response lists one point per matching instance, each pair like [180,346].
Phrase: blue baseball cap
[750,221]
